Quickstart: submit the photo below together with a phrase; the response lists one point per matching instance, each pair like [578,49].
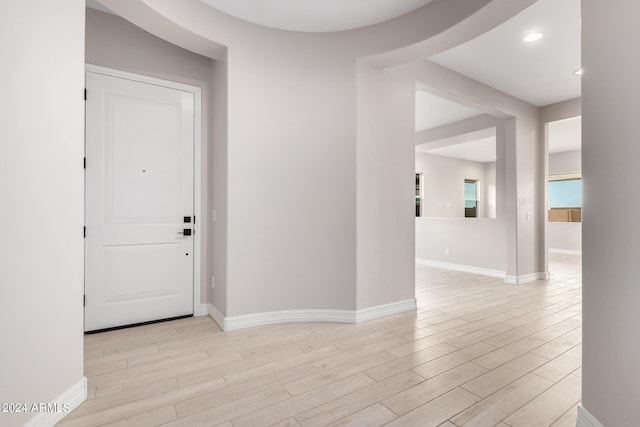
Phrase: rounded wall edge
[141,14]
[470,23]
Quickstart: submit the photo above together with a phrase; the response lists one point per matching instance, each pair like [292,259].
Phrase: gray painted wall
[42,193]
[385,164]
[565,236]
[291,176]
[466,239]
[565,162]
[490,190]
[560,111]
[218,190]
[611,294]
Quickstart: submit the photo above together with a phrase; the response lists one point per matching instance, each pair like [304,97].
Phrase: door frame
[197,165]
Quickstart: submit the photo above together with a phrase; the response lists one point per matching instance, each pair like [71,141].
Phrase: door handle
[185,232]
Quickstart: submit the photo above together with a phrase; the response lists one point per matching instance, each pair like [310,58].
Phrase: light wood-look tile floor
[476,353]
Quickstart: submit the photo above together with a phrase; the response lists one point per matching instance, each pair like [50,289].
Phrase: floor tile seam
[408,386]
[153,406]
[233,401]
[299,396]
[484,338]
[525,403]
[557,338]
[574,407]
[528,336]
[115,359]
[560,380]
[274,363]
[561,415]
[361,372]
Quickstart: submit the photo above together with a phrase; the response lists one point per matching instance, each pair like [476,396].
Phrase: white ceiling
[541,72]
[481,150]
[565,135]
[433,111]
[316,15]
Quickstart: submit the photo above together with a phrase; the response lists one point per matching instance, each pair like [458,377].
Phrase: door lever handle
[185,232]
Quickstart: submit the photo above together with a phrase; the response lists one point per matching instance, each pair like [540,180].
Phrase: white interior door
[139,196]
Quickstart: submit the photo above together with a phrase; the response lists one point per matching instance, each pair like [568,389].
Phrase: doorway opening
[564,191]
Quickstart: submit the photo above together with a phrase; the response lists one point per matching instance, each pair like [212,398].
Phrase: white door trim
[197,163]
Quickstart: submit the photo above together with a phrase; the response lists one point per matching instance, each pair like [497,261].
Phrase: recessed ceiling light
[532,37]
[579,72]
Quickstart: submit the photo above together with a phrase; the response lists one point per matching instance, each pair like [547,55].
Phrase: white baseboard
[565,251]
[526,278]
[201,310]
[512,280]
[68,400]
[544,275]
[461,267]
[385,310]
[209,310]
[288,316]
[585,419]
[215,314]
[297,316]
